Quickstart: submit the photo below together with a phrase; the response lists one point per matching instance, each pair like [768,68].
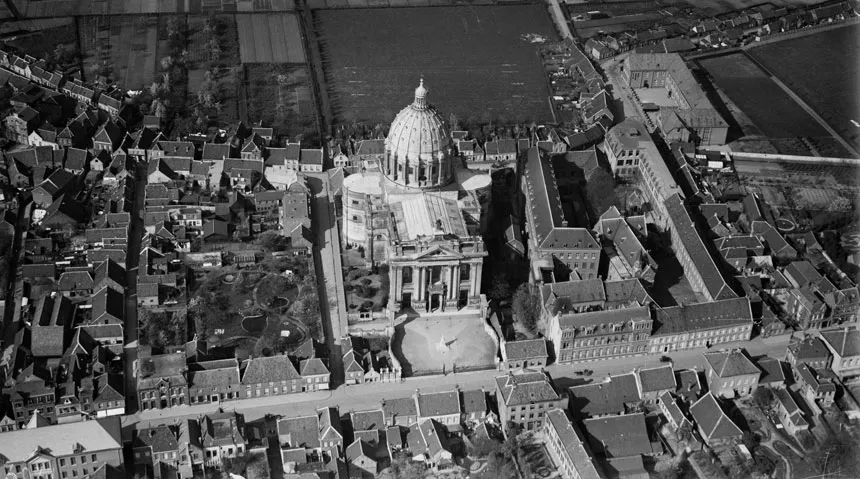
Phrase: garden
[256,311]
[366,289]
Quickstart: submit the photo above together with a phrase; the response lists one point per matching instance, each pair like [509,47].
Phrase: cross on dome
[420,96]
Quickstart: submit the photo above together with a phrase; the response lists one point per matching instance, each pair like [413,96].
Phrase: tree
[453,122]
[763,396]
[403,467]
[500,288]
[483,446]
[600,191]
[526,306]
[271,241]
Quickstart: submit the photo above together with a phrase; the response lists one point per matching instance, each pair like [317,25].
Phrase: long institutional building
[589,318]
[418,209]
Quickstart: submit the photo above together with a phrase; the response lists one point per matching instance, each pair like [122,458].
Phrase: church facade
[420,211]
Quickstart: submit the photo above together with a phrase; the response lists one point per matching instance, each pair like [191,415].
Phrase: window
[83,459]
[93,458]
[62,462]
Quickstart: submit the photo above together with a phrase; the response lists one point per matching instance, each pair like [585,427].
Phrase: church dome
[418,145]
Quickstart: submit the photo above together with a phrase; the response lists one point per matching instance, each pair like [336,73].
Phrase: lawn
[280,96]
[769,107]
[474,60]
[822,69]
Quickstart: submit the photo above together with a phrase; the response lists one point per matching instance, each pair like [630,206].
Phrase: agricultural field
[767,106]
[822,74]
[57,8]
[717,7]
[590,28]
[280,96]
[476,61]
[222,62]
[270,38]
[122,48]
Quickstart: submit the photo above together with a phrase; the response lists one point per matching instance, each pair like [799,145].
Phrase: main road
[369,395]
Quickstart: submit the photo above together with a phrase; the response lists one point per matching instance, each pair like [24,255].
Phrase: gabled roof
[572,445]
[398,407]
[312,367]
[64,439]
[771,370]
[372,419]
[844,342]
[692,242]
[438,403]
[618,436]
[108,303]
[712,421]
[606,397]
[702,316]
[268,369]
[808,349]
[525,349]
[525,387]
[661,378]
[300,432]
[473,401]
[160,438]
[727,364]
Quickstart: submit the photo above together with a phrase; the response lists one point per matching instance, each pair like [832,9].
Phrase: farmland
[123,48]
[474,60]
[269,38]
[769,108]
[823,76]
[280,95]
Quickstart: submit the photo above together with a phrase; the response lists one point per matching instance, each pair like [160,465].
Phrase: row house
[222,436]
[528,353]
[63,451]
[622,240]
[789,413]
[524,397]
[809,350]
[700,325]
[161,381]
[603,334]
[270,376]
[213,381]
[315,438]
[555,249]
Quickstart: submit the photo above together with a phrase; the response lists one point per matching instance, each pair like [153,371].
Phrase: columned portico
[435,285]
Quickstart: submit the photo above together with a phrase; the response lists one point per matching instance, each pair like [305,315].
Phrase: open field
[57,8]
[123,48]
[201,31]
[42,43]
[280,96]
[589,28]
[270,38]
[823,71]
[716,7]
[474,61]
[769,108]
[469,346]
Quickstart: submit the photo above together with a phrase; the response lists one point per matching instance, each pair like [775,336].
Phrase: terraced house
[700,325]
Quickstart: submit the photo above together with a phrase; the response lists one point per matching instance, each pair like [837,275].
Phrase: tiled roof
[844,342]
[473,401]
[731,363]
[63,439]
[438,403]
[661,378]
[606,397]
[618,436]
[712,421]
[313,367]
[525,387]
[771,369]
[525,349]
[808,348]
[398,407]
[594,318]
[268,369]
[567,295]
[692,242]
[218,373]
[108,301]
[367,420]
[160,438]
[702,316]
[671,405]
[546,212]
[300,431]
[572,445]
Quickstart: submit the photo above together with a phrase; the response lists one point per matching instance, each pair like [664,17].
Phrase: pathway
[558,17]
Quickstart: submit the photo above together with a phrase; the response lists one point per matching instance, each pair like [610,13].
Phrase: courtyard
[418,345]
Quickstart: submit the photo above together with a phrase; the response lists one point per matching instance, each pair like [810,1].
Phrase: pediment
[439,252]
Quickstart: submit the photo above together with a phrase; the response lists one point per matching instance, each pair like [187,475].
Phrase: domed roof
[418,131]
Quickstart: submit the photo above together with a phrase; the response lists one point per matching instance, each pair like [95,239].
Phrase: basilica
[421,211]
